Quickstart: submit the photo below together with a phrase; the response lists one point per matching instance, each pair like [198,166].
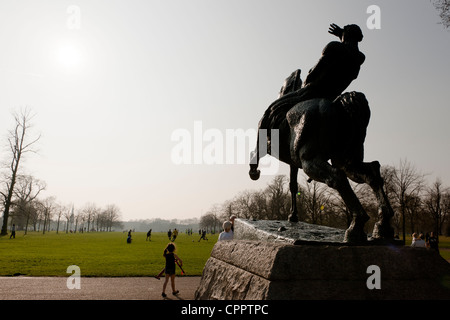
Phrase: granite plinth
[300,263]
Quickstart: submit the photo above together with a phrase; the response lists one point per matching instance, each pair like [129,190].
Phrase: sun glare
[70,57]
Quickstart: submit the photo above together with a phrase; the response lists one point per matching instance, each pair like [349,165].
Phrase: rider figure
[338,66]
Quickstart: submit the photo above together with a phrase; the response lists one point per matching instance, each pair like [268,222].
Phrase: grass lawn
[99,254]
[106,254]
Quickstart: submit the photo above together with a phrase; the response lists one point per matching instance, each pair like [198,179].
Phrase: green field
[99,254]
[106,254]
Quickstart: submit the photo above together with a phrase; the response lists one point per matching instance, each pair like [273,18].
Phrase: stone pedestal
[277,269]
[287,232]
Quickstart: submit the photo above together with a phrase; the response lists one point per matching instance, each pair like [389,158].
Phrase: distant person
[174,234]
[203,236]
[433,242]
[149,235]
[129,238]
[413,238]
[419,242]
[171,257]
[169,234]
[13,231]
[227,233]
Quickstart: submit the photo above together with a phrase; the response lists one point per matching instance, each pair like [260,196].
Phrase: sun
[70,56]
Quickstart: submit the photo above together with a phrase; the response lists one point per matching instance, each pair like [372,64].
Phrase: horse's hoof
[354,236]
[254,174]
[381,231]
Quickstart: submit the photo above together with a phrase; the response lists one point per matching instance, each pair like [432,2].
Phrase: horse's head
[356,111]
[356,107]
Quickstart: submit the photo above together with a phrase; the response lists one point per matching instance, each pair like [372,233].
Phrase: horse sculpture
[326,139]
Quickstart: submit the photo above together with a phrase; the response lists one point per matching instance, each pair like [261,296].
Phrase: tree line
[419,206]
[20,192]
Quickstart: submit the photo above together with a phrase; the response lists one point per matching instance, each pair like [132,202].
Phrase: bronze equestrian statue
[318,123]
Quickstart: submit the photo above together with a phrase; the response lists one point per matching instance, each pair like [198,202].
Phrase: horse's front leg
[293,187]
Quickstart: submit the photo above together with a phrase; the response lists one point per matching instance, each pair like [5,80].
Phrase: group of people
[430,241]
[172,234]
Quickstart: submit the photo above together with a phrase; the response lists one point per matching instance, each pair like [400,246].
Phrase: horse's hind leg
[370,173]
[323,172]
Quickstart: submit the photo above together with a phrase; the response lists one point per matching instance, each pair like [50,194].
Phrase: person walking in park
[13,231]
[203,235]
[174,234]
[171,257]
[149,235]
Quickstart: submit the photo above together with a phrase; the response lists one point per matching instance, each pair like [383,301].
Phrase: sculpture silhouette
[317,124]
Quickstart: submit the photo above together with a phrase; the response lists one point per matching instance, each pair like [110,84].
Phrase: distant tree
[19,144]
[315,197]
[214,218]
[59,212]
[409,183]
[243,204]
[437,205]
[48,208]
[277,195]
[209,221]
[27,189]
[68,214]
[111,216]
[90,210]
[443,6]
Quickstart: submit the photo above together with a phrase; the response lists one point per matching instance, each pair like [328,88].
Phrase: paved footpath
[133,288]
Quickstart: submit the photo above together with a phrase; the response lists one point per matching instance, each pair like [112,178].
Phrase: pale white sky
[108,95]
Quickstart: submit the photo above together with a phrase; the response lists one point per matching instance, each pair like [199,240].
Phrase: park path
[126,288]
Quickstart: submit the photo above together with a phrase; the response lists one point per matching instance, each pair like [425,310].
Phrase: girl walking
[171,257]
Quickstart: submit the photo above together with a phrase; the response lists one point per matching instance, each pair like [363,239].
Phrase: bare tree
[409,183]
[214,217]
[436,203]
[209,221]
[277,195]
[243,204]
[315,197]
[59,211]
[48,206]
[27,189]
[19,145]
[90,210]
[68,214]
[443,6]
[112,216]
